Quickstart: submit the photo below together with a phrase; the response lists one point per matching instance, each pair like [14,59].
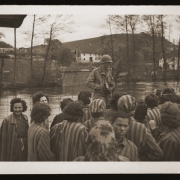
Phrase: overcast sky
[88,20]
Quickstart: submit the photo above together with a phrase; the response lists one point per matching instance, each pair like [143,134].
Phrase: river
[56,94]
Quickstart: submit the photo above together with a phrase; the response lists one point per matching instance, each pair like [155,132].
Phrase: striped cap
[98,106]
[127,103]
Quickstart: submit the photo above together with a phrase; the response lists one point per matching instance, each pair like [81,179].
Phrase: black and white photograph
[89,89]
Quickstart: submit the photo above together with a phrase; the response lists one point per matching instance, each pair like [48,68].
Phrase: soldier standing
[101,80]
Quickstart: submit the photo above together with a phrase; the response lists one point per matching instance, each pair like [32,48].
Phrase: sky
[88,20]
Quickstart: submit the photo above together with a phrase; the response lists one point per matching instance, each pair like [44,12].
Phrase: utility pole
[15,74]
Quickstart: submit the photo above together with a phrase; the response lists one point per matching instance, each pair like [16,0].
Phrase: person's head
[85,97]
[17,106]
[120,122]
[115,97]
[106,61]
[140,111]
[151,100]
[170,114]
[40,112]
[97,107]
[100,142]
[65,102]
[157,92]
[40,97]
[127,104]
[168,91]
[73,112]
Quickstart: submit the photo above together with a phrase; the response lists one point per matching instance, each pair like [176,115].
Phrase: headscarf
[127,104]
[101,143]
[98,106]
[170,114]
[168,91]
[73,112]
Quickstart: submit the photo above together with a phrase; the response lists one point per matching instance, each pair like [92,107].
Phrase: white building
[88,57]
[172,64]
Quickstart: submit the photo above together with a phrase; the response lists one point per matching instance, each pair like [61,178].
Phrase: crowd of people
[86,130]
[104,126]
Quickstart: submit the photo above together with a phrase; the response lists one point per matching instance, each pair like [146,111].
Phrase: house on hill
[85,50]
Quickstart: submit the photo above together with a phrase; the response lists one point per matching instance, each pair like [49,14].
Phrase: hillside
[5,45]
[92,44]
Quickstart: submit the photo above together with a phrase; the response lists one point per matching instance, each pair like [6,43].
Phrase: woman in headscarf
[101,144]
[68,137]
[148,148]
[13,133]
[97,108]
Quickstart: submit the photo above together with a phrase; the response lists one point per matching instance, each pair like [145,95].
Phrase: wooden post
[15,74]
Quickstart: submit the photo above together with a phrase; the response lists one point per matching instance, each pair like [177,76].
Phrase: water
[56,94]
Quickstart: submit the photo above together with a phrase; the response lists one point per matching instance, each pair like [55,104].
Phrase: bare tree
[62,24]
[151,21]
[120,24]
[31,35]
[177,20]
[133,22]
[109,23]
[162,25]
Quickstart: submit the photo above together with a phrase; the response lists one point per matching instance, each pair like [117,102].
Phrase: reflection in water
[56,94]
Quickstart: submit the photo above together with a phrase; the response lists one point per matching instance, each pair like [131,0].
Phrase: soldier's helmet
[106,59]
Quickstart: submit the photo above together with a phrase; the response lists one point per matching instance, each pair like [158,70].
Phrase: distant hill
[142,40]
[91,45]
[5,45]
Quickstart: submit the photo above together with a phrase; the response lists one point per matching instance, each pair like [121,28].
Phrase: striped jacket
[154,114]
[86,114]
[148,148]
[127,149]
[39,144]
[170,144]
[68,140]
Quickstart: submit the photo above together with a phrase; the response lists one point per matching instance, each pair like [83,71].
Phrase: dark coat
[9,144]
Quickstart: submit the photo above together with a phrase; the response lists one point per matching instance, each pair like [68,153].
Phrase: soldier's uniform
[100,81]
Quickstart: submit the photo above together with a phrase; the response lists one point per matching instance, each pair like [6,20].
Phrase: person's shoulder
[135,123]
[25,117]
[7,119]
[130,143]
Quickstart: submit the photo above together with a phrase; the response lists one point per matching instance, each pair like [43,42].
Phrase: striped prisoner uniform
[127,149]
[170,144]
[39,143]
[154,114]
[68,140]
[148,148]
[86,114]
